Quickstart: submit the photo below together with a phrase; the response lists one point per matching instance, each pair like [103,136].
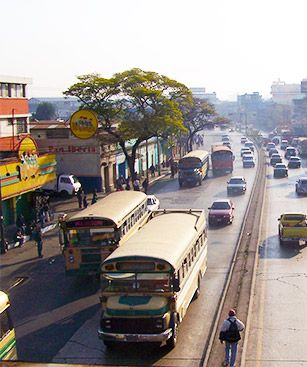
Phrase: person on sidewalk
[230,334]
[152,170]
[37,236]
[145,185]
[19,237]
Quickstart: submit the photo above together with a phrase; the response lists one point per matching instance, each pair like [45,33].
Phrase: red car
[221,212]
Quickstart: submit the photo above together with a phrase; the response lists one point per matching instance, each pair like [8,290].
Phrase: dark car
[276,158]
[280,170]
[290,152]
[269,146]
[248,161]
[301,186]
[294,162]
[221,212]
[272,151]
[250,145]
[236,185]
[284,143]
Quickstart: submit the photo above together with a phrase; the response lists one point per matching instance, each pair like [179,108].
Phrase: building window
[21,125]
[4,90]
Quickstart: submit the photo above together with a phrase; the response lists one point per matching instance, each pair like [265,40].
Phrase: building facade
[14,110]
[283,93]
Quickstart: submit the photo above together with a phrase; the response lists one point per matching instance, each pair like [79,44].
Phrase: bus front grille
[132,325]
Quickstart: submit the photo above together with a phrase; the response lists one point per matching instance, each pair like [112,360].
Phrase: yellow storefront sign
[84,124]
[18,177]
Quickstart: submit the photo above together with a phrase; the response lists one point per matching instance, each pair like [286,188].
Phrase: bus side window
[4,324]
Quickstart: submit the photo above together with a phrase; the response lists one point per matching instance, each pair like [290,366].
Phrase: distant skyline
[230,47]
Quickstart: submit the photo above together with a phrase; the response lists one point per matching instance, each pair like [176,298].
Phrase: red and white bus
[222,159]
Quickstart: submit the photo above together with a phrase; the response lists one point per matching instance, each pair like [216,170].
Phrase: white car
[153,202]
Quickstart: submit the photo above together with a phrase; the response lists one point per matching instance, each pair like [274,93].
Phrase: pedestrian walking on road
[79,197]
[95,197]
[37,236]
[230,334]
[84,201]
[145,185]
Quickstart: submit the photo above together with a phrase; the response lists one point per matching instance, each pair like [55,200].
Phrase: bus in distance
[221,159]
[152,279]
[193,167]
[91,235]
[302,146]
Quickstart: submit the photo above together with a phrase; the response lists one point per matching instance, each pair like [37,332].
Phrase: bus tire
[197,292]
[172,341]
[108,343]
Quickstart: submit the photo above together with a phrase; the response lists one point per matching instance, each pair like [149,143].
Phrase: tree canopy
[196,116]
[45,111]
[134,104]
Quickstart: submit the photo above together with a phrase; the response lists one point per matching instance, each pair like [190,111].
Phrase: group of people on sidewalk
[125,184]
[82,198]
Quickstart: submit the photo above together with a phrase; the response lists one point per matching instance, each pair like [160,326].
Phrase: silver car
[301,186]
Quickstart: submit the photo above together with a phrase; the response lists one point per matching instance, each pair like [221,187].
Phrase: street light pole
[2,239]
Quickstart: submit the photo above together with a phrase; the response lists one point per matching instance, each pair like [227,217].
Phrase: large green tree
[134,105]
[196,116]
[45,111]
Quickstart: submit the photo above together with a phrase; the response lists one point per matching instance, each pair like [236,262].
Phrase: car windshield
[280,166]
[150,201]
[220,205]
[248,158]
[303,182]
[294,159]
[236,181]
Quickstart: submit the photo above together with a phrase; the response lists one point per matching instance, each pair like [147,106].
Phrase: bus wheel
[197,292]
[172,341]
[108,343]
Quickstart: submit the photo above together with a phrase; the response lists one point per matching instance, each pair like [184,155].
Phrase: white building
[283,93]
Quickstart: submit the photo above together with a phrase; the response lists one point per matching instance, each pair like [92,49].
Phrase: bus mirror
[176,286]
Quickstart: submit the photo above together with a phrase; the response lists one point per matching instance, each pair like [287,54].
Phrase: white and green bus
[7,333]
[152,279]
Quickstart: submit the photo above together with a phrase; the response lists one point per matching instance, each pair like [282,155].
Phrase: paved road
[57,317]
[279,325]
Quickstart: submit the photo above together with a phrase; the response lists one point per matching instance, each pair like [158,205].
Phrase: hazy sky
[229,47]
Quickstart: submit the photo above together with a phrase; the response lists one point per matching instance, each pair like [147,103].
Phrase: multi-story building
[14,109]
[23,168]
[283,93]
[200,93]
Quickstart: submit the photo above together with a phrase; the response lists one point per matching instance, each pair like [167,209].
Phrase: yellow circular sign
[83,124]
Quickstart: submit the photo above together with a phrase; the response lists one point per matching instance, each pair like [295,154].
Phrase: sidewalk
[70,207]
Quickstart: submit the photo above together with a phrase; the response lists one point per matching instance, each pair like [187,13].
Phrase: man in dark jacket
[230,333]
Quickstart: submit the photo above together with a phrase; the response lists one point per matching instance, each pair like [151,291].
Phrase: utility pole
[2,239]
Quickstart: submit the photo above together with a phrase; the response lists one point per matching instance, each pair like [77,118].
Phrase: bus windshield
[138,282]
[91,237]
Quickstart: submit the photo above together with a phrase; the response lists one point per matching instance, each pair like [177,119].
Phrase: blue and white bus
[193,167]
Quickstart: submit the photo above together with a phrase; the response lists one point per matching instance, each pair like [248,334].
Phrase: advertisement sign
[83,124]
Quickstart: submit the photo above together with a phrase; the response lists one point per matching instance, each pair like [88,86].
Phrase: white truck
[64,185]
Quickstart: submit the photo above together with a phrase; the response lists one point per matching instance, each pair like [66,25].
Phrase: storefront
[22,171]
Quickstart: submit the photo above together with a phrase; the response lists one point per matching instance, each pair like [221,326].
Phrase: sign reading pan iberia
[83,124]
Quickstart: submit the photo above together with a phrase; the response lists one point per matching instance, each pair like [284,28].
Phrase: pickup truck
[292,228]
[64,185]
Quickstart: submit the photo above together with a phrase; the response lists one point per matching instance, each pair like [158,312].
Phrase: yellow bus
[151,280]
[91,235]
[193,167]
[8,349]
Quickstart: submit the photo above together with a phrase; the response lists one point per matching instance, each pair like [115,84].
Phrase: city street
[278,323]
[64,312]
